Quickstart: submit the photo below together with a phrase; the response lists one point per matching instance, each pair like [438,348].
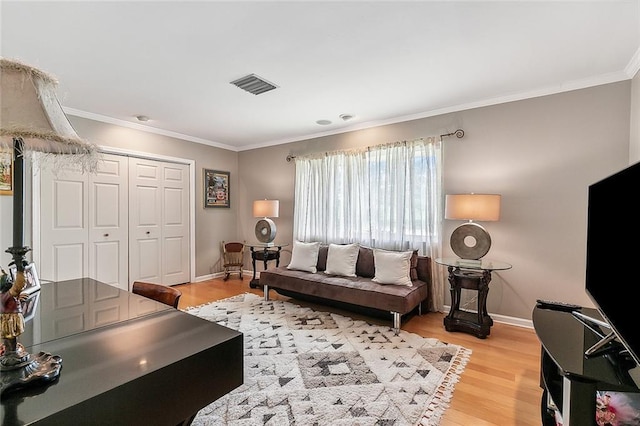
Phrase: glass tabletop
[483,264]
[267,246]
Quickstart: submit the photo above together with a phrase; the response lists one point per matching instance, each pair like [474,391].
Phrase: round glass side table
[470,275]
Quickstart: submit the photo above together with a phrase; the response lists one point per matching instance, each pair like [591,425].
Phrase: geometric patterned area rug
[307,367]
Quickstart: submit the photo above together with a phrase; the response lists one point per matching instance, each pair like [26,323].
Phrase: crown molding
[148,129]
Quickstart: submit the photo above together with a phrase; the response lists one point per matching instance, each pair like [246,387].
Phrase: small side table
[264,253]
[472,278]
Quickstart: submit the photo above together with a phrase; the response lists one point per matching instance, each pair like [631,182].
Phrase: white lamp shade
[30,111]
[479,207]
[266,208]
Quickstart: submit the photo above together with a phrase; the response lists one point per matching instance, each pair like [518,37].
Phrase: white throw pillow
[392,267]
[304,256]
[341,259]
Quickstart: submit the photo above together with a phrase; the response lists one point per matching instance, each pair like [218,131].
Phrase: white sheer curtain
[387,196]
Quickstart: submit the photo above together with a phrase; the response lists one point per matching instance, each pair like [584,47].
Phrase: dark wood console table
[125,359]
[568,378]
[462,276]
[264,253]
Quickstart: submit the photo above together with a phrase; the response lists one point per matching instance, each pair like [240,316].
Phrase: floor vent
[254,84]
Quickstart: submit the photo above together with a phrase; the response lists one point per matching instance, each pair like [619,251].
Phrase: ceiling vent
[254,84]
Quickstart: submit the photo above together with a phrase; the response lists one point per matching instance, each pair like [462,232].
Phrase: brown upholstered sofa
[354,292]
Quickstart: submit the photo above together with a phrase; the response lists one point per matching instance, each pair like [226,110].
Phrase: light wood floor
[500,385]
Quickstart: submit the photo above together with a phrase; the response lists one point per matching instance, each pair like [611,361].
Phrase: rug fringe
[444,393]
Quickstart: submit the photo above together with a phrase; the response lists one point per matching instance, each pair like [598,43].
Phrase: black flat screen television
[613,254]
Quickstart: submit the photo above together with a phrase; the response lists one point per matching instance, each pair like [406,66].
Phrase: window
[387,196]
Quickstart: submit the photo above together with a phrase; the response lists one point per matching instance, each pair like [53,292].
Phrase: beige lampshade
[30,111]
[475,207]
[266,208]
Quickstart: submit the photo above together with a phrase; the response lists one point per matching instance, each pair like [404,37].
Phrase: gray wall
[540,154]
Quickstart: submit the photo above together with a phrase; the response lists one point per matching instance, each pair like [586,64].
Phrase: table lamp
[265,227]
[470,241]
[31,120]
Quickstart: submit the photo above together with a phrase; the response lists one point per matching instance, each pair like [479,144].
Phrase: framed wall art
[6,173]
[216,189]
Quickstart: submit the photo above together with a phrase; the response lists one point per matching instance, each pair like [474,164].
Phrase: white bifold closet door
[127,222]
[158,221]
[84,223]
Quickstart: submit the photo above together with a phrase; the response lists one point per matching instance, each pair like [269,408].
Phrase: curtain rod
[459,133]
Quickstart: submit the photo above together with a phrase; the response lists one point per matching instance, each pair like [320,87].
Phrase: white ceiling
[382,62]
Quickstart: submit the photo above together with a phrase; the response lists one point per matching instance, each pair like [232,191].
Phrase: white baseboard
[518,322]
[208,277]
[205,277]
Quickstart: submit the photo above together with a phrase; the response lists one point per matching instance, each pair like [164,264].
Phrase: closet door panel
[148,211]
[145,221]
[68,199]
[175,229]
[107,198]
[173,208]
[63,226]
[149,260]
[175,257]
[107,264]
[109,223]
[67,261]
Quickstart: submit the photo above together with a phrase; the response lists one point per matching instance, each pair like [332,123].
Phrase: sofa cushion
[365,266]
[304,256]
[341,259]
[322,257]
[413,272]
[392,267]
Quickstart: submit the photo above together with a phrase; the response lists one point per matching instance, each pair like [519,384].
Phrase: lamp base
[470,232]
[265,231]
[472,263]
[19,368]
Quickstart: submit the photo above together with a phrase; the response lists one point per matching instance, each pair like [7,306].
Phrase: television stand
[570,379]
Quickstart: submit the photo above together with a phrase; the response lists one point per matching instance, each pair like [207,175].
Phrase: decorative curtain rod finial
[458,133]
[290,157]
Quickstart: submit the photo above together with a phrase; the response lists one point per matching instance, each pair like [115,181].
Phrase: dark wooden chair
[158,292]
[232,258]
